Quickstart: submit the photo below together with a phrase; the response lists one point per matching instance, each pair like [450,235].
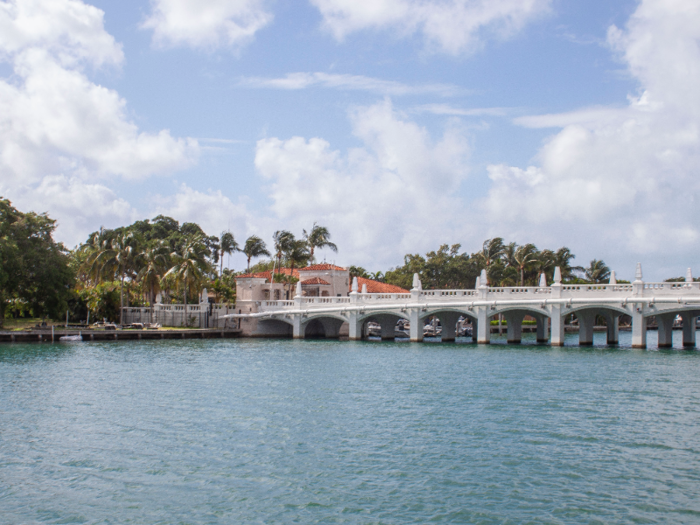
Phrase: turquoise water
[264,431]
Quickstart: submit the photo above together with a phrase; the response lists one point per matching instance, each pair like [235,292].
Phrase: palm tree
[524,256]
[153,262]
[190,263]
[597,272]
[318,237]
[282,240]
[562,259]
[545,263]
[255,247]
[296,254]
[113,257]
[227,245]
[491,251]
[509,254]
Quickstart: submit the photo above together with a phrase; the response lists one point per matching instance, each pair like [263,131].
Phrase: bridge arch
[276,327]
[322,326]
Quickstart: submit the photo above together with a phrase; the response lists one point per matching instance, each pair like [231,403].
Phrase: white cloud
[392,195]
[212,210]
[70,29]
[453,26]
[621,180]
[447,110]
[78,207]
[294,81]
[59,131]
[206,24]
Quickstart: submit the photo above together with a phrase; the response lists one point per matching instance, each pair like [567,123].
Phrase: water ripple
[329,432]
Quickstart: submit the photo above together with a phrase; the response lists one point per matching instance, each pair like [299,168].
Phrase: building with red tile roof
[377,287]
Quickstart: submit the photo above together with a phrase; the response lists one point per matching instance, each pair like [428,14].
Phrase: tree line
[506,264]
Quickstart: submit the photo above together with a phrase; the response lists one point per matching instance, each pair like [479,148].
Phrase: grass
[27,323]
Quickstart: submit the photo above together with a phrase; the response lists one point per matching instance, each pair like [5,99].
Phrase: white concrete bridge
[548,305]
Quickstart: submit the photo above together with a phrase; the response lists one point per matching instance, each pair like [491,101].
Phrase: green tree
[282,240]
[524,257]
[190,265]
[34,269]
[227,245]
[296,254]
[597,272]
[318,237]
[113,257]
[254,247]
[153,263]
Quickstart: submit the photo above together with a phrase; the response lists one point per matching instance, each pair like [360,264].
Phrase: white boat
[68,338]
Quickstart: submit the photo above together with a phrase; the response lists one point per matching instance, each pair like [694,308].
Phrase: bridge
[549,305]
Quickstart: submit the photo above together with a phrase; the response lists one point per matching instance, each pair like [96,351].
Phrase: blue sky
[399,124]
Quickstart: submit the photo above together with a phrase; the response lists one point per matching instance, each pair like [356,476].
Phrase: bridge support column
[388,329]
[586,321]
[483,326]
[515,326]
[449,326]
[689,329]
[665,324]
[354,327]
[639,329]
[297,328]
[613,328]
[557,326]
[416,328]
[542,328]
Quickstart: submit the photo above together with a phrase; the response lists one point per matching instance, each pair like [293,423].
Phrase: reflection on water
[279,431]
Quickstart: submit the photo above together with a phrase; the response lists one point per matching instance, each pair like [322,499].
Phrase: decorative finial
[477,285]
[613,280]
[364,287]
[689,276]
[354,284]
[205,296]
[159,298]
[557,275]
[483,278]
[543,280]
[638,272]
[416,282]
[299,292]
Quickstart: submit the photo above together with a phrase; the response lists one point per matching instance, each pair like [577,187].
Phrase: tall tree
[190,264]
[597,272]
[227,245]
[153,263]
[255,247]
[562,259]
[296,254]
[33,267]
[114,257]
[318,237]
[491,251]
[524,256]
[282,240]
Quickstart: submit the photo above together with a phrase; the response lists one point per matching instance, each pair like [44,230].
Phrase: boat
[69,338]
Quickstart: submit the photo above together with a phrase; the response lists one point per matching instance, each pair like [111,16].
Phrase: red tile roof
[314,280]
[377,287]
[318,267]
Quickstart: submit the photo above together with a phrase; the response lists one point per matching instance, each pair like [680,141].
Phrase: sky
[400,125]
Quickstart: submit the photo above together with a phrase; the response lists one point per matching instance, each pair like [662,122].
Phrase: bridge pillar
[483,326]
[448,320]
[557,324]
[515,326]
[689,329]
[612,321]
[297,328]
[416,328]
[388,329]
[665,324]
[354,327]
[586,321]
[639,328]
[542,328]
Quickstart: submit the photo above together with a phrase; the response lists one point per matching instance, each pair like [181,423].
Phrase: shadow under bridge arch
[324,327]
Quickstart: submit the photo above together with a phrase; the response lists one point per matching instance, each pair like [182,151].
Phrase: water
[264,431]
